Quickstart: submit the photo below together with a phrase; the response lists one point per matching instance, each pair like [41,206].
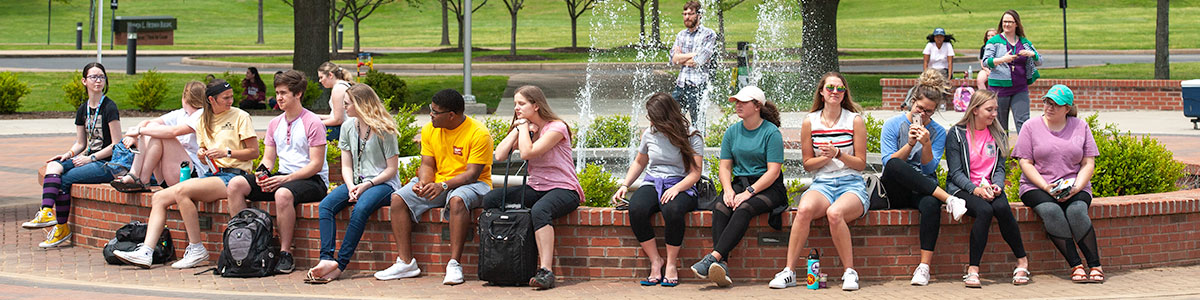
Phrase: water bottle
[814,269]
[185,171]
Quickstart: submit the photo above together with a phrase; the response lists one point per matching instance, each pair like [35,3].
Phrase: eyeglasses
[434,112]
[1008,22]
[835,88]
[923,111]
[97,78]
[1051,105]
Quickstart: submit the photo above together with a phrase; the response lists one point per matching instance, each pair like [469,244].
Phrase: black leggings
[729,225]
[544,206]
[983,212]
[644,204]
[907,187]
[1068,225]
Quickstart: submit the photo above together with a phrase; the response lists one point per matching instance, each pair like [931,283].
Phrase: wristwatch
[444,186]
[750,189]
[228,152]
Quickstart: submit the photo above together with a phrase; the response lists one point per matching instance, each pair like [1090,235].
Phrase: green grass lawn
[1179,71]
[47,94]
[231,24]
[617,55]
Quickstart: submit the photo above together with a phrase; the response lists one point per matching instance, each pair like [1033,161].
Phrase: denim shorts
[225,176]
[471,195]
[834,187]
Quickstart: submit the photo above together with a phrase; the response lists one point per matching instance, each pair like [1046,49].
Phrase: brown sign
[150,38]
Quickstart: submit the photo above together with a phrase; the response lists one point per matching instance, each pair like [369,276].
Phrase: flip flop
[310,279]
[651,281]
[668,282]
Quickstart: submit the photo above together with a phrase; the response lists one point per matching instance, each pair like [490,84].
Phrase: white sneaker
[956,207]
[193,255]
[400,269]
[142,257]
[454,273]
[921,275]
[850,280]
[783,279]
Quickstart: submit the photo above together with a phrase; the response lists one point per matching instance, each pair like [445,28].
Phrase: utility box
[151,30]
[1191,100]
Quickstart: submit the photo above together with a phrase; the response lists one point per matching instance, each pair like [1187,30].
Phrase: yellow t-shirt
[453,149]
[229,128]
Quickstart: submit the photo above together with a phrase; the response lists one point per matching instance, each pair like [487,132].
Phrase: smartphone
[262,172]
[623,206]
[1062,188]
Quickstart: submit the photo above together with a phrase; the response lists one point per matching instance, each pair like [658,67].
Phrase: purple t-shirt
[1055,155]
[555,169]
[1017,66]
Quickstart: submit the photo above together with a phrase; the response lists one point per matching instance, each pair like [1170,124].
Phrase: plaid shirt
[702,41]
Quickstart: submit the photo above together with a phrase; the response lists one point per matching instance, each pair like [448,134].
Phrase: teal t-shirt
[751,150]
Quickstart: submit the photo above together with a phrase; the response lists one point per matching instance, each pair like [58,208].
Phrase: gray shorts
[471,195]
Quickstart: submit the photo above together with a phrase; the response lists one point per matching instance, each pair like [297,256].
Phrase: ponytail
[770,112]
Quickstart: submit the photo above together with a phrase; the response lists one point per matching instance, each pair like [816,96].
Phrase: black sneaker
[701,267]
[718,272]
[286,263]
[544,279]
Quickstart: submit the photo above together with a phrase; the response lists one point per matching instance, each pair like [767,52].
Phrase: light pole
[470,98]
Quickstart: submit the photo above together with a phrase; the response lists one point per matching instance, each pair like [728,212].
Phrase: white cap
[750,93]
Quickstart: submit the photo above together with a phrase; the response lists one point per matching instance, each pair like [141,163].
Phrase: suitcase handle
[507,166]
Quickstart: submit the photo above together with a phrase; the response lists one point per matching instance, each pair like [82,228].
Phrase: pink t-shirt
[292,138]
[555,169]
[1055,154]
[983,155]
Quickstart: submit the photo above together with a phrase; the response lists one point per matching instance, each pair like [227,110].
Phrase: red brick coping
[1135,232]
[1090,94]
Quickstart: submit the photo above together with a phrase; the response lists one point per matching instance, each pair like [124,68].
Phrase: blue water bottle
[814,269]
[185,171]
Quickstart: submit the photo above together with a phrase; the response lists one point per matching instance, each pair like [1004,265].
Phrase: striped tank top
[841,134]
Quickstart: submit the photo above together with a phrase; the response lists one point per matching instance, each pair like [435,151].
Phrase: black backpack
[129,236]
[507,249]
[250,247]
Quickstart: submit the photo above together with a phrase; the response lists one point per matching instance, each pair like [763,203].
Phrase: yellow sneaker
[58,234]
[44,218]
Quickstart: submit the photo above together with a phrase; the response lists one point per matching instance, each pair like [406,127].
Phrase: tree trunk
[311,24]
[445,25]
[512,48]
[357,49]
[642,22]
[1162,45]
[819,37]
[655,22]
[460,32]
[92,22]
[720,32]
[260,23]
[574,32]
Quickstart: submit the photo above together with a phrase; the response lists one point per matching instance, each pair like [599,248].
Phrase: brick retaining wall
[1135,232]
[1090,94]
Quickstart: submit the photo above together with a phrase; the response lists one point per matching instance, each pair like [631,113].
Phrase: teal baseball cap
[1061,95]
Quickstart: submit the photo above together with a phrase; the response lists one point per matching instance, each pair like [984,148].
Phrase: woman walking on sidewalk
[977,155]
[671,153]
[97,125]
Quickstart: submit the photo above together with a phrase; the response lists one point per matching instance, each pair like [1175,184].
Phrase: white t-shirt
[181,117]
[937,57]
[292,140]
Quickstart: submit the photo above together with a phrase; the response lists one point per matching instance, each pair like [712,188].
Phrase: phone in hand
[1062,188]
[623,206]
[262,172]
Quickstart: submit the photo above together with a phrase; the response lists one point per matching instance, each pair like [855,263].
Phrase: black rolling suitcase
[507,249]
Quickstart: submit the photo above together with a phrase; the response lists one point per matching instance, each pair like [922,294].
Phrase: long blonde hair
[193,94]
[535,96]
[998,133]
[370,110]
[337,72]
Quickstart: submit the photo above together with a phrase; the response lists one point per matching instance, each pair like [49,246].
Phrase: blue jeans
[689,97]
[337,200]
[93,172]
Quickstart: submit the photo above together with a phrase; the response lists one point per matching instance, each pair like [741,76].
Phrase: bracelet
[70,153]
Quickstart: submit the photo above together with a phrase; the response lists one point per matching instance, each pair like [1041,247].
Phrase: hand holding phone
[262,172]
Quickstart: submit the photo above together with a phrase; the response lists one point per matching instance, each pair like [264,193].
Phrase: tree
[1162,49]
[445,24]
[574,9]
[655,22]
[640,5]
[456,6]
[722,7]
[310,22]
[260,23]
[819,38]
[359,10]
[336,15]
[513,7]
[91,21]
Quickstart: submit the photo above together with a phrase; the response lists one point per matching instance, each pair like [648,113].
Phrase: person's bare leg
[402,228]
[545,245]
[238,189]
[460,220]
[168,165]
[656,261]
[286,209]
[184,197]
[843,211]
[672,264]
[812,206]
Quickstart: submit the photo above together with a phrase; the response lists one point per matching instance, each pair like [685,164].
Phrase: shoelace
[50,232]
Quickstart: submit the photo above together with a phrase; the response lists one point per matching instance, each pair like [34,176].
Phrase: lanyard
[362,143]
[92,120]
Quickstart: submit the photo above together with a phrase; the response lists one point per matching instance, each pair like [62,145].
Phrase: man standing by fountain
[693,48]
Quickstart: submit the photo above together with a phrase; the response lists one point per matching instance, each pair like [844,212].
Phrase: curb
[191,60]
[122,53]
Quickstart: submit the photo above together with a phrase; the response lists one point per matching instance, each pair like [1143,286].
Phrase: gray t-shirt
[372,159]
[665,159]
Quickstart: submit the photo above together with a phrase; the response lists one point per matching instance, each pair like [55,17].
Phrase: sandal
[670,282]
[1097,275]
[310,279]
[1020,279]
[651,281]
[1078,275]
[972,280]
[125,187]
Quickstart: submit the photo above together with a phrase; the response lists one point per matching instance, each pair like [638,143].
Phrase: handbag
[706,193]
[121,160]
[876,192]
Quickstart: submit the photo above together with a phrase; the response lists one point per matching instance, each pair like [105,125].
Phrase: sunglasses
[835,88]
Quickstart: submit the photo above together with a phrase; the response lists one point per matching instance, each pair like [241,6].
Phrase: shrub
[598,185]
[713,167]
[311,93]
[235,81]
[407,168]
[149,92]
[613,131]
[74,92]
[11,91]
[1013,180]
[390,87]
[1131,165]
[716,130]
[333,154]
[794,187]
[499,129]
[874,130]
[406,124]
